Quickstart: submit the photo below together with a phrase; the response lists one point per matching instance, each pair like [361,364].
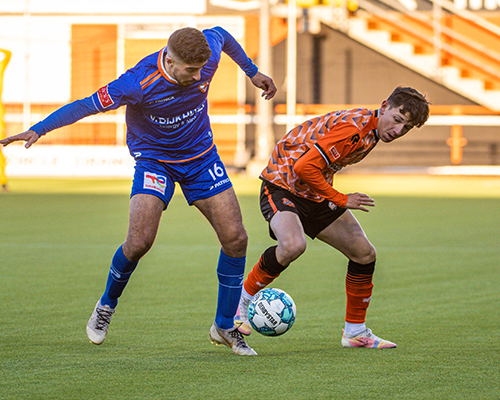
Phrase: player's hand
[266,84]
[357,201]
[29,137]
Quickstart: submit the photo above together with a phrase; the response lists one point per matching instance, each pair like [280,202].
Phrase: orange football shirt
[305,160]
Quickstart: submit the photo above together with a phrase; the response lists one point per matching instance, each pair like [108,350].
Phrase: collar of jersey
[162,69]
[375,130]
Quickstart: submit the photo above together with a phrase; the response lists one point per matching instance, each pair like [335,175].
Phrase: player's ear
[384,107]
[169,60]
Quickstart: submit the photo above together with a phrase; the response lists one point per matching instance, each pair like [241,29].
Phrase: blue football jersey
[165,121]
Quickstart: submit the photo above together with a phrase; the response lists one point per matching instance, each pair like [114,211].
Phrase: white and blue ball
[272,312]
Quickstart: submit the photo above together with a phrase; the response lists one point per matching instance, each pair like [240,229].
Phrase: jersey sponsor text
[178,120]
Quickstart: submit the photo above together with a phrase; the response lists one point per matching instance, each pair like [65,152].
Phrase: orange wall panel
[93,64]
[137,49]
[93,58]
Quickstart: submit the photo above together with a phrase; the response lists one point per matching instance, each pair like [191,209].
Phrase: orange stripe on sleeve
[151,81]
[149,77]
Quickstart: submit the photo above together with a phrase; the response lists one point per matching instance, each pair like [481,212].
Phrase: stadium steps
[398,37]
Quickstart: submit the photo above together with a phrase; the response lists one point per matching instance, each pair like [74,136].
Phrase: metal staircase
[421,42]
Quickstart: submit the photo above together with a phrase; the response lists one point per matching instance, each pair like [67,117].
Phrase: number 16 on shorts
[216,172]
[219,176]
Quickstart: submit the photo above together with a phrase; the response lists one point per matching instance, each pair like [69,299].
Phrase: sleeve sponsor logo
[334,152]
[155,182]
[104,97]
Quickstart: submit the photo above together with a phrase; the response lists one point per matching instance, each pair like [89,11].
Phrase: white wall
[68,161]
[38,34]
[113,7]
[40,65]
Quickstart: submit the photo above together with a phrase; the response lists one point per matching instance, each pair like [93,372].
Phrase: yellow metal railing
[3,64]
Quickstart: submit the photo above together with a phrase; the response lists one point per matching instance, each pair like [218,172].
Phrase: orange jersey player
[297,199]
[340,138]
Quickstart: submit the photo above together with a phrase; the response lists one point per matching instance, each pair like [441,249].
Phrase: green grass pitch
[436,295]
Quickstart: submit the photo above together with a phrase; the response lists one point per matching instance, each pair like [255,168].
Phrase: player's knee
[134,250]
[241,240]
[366,254]
[290,249]
[371,254]
[235,245]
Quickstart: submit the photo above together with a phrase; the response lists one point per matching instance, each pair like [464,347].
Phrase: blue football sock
[119,274]
[230,272]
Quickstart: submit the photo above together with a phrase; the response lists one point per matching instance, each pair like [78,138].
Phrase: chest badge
[203,87]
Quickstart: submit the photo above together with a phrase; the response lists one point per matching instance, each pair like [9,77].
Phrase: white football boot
[367,339]
[97,327]
[231,338]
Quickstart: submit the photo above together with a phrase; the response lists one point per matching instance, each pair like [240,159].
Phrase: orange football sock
[257,279]
[359,288]
[358,300]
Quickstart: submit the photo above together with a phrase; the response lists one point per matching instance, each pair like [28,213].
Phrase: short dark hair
[413,102]
[189,45]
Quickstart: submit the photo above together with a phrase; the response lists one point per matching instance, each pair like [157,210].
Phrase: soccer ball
[272,312]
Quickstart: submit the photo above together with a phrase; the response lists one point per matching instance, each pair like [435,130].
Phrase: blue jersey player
[169,135]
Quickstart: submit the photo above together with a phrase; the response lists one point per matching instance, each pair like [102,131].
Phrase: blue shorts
[200,178]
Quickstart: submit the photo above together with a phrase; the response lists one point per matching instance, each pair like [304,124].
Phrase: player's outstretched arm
[356,201]
[266,84]
[29,137]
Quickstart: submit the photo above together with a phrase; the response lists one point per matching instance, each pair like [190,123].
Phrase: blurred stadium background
[322,54]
